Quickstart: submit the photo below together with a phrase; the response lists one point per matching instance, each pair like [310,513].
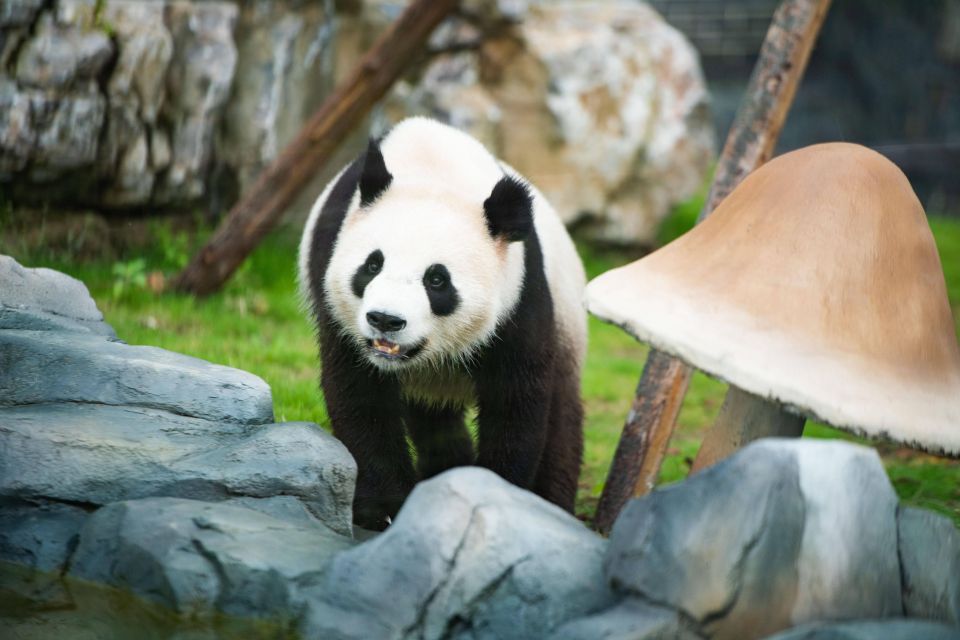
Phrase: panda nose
[385,322]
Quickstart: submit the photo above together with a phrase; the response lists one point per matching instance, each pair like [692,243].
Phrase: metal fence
[720,28]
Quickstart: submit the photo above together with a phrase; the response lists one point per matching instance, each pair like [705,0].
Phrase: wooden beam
[260,208]
[750,142]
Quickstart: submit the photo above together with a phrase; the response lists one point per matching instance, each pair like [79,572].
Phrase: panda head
[423,271]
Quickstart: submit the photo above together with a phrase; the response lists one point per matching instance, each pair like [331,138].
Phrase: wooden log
[260,208]
[750,142]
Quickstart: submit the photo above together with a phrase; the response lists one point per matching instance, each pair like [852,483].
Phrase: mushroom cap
[815,283]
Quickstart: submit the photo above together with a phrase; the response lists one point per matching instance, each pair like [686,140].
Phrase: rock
[628,620]
[495,11]
[469,555]
[42,367]
[67,129]
[17,135]
[38,534]
[930,564]
[135,91]
[44,299]
[291,459]
[198,84]
[194,556]
[872,630]
[57,57]
[145,48]
[602,105]
[96,454]
[18,13]
[782,533]
[285,70]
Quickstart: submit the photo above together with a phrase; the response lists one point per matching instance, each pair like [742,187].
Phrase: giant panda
[440,280]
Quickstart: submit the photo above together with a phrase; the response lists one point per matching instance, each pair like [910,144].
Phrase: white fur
[433,213]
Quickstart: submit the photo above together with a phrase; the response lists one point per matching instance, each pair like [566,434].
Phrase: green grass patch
[256,324]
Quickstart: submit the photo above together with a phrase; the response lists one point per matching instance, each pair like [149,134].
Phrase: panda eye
[374,263]
[436,277]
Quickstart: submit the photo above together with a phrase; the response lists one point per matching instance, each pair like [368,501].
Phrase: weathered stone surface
[18,13]
[285,69]
[602,105]
[872,630]
[17,136]
[198,85]
[100,454]
[41,299]
[930,565]
[782,533]
[57,57]
[290,459]
[159,102]
[145,48]
[194,556]
[628,620]
[67,128]
[38,534]
[76,367]
[469,555]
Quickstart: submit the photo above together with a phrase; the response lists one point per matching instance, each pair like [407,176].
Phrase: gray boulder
[100,454]
[782,533]
[17,13]
[38,534]
[872,630]
[930,563]
[44,299]
[195,556]
[469,556]
[43,366]
[56,57]
[629,620]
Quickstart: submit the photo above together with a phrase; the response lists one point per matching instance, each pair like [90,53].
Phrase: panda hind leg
[440,437]
[559,468]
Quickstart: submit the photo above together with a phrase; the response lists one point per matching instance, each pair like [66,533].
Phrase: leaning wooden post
[752,138]
[261,207]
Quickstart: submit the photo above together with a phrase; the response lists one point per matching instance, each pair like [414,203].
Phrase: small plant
[175,246]
[129,275]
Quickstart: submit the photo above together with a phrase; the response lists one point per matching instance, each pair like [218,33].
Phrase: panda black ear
[374,179]
[509,209]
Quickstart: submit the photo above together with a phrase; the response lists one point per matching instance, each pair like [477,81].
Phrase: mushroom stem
[744,418]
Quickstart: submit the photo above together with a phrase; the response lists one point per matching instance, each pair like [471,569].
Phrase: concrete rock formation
[86,420]
[161,475]
[783,533]
[133,103]
[602,105]
[129,103]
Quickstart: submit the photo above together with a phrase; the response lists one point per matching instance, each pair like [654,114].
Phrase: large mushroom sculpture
[815,290]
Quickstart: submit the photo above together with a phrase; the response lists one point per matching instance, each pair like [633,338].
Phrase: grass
[256,324]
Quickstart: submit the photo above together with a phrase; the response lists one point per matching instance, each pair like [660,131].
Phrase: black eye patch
[440,290]
[367,272]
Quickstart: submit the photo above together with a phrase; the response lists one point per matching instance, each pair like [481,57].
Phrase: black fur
[529,414]
[441,293]
[440,436]
[366,272]
[509,209]
[375,178]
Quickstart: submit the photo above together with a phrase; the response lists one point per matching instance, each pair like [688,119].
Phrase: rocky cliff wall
[153,104]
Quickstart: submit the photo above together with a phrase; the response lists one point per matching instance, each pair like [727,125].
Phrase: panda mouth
[384,348]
